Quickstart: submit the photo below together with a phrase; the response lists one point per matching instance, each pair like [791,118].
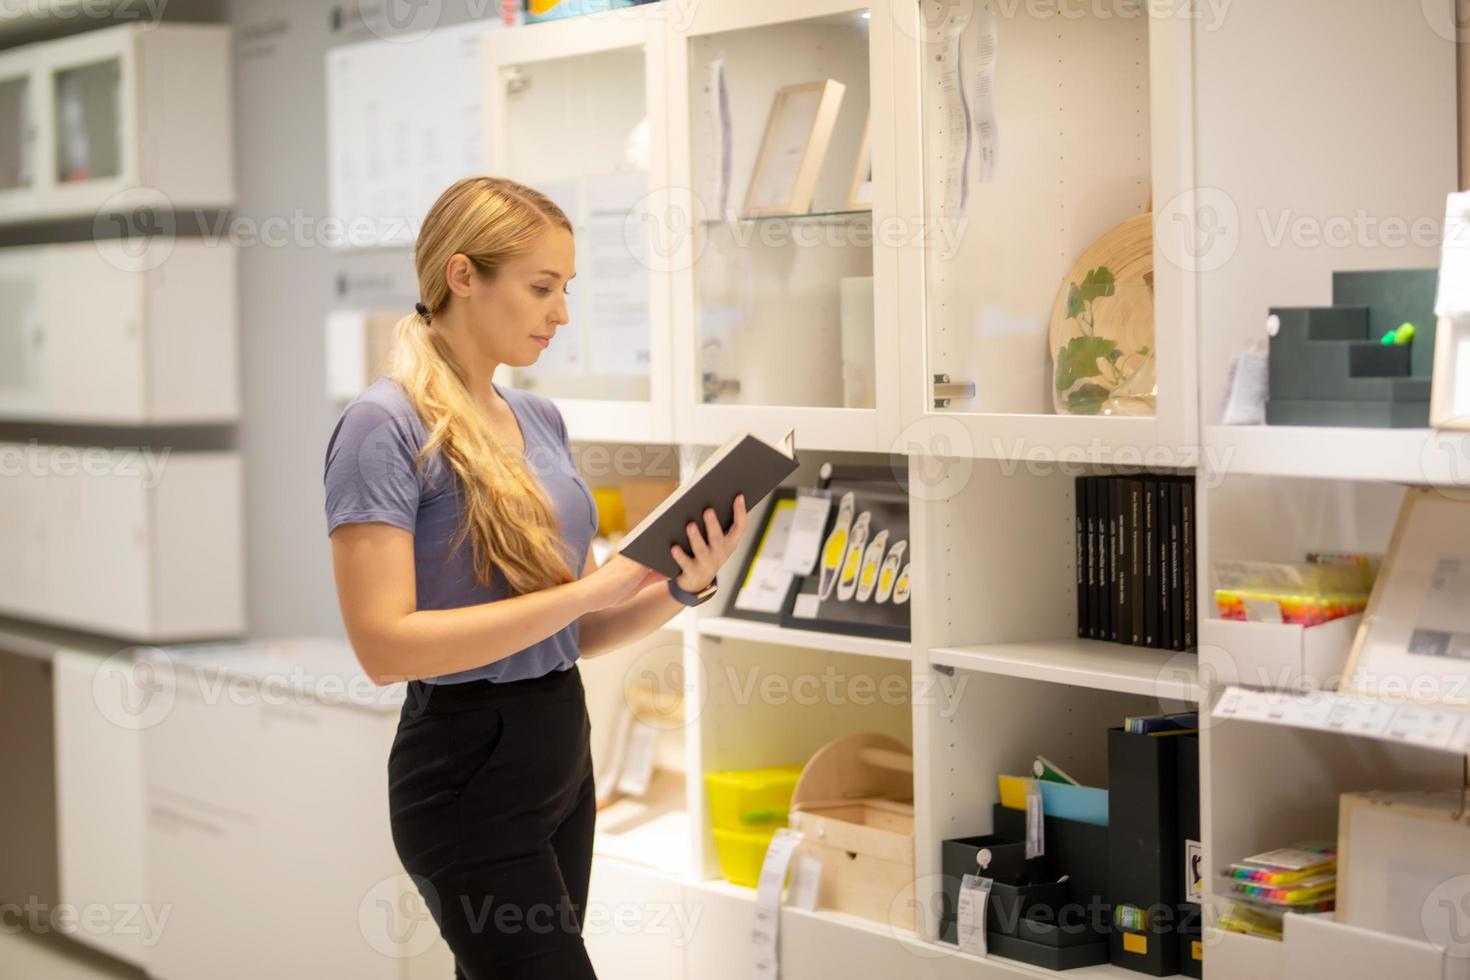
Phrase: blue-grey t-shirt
[372,476]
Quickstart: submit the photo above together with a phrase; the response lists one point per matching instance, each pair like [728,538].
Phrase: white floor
[27,957]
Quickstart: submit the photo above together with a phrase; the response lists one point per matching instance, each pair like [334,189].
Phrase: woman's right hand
[619,579]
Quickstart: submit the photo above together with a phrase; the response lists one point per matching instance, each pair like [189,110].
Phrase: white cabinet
[151,339]
[117,119]
[99,704]
[268,831]
[144,546]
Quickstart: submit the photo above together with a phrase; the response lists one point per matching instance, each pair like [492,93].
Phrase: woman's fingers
[697,545]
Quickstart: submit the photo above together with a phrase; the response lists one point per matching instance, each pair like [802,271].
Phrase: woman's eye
[542,290]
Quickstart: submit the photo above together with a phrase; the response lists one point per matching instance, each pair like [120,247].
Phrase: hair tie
[423,310]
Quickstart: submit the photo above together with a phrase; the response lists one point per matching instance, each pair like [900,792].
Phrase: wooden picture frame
[1414,641]
[1449,398]
[798,132]
[860,193]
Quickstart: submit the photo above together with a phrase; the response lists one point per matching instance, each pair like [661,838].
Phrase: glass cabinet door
[781,161]
[778,130]
[87,120]
[1040,296]
[569,111]
[17,133]
[21,390]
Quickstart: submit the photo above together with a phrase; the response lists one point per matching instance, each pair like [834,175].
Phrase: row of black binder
[1135,560]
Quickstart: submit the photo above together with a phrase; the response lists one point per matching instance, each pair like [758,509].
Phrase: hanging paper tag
[1035,827]
[970,915]
[806,881]
[1194,872]
[765,933]
[982,105]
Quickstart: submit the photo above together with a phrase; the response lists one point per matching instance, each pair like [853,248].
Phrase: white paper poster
[765,587]
[615,259]
[403,123]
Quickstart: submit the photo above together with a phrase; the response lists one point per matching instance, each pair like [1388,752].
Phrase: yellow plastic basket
[751,799]
[742,852]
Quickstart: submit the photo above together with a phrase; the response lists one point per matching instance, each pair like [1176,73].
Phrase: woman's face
[513,317]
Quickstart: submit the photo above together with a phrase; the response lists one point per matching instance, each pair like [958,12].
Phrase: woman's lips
[543,341]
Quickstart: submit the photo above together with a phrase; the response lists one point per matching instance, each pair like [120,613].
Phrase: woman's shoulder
[383,408]
[540,406]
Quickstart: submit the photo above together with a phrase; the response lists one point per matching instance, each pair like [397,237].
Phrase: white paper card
[1453,298]
[806,881]
[970,914]
[805,541]
[765,586]
[806,606]
[638,756]
[1194,874]
[764,935]
[1035,821]
[615,257]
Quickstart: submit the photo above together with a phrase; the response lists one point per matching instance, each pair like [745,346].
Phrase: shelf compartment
[1169,675]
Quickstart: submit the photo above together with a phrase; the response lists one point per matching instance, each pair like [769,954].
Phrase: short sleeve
[371,470]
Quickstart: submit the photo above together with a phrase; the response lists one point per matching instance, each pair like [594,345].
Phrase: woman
[460,534]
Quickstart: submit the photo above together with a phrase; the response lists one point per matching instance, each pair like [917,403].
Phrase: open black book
[746,464]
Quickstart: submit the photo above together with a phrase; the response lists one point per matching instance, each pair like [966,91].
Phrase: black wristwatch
[692,598]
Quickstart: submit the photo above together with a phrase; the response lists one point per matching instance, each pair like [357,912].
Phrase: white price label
[1035,822]
[970,914]
[764,935]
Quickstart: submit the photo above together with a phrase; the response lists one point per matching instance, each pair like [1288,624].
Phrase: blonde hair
[507,514]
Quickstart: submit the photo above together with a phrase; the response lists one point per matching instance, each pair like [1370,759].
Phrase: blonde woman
[460,533]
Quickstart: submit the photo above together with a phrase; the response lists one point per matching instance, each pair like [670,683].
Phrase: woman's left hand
[710,549]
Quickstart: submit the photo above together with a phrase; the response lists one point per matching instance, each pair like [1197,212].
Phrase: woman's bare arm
[617,626]
[396,641]
[645,611]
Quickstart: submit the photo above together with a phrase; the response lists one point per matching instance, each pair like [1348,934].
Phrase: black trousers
[491,799]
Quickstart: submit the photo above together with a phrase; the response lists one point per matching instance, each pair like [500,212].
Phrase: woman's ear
[460,274]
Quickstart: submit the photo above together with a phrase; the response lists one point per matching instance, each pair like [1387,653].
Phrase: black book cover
[1122,499]
[1135,562]
[1114,495]
[1145,868]
[1079,491]
[1191,933]
[1093,566]
[746,465]
[1100,558]
[1150,562]
[1161,559]
[1186,525]
[1176,586]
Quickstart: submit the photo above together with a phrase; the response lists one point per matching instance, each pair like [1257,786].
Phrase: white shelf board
[1419,456]
[1422,726]
[923,948]
[1046,439]
[745,629]
[1165,674]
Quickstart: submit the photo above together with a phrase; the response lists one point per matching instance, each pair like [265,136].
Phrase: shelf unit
[1154,116]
